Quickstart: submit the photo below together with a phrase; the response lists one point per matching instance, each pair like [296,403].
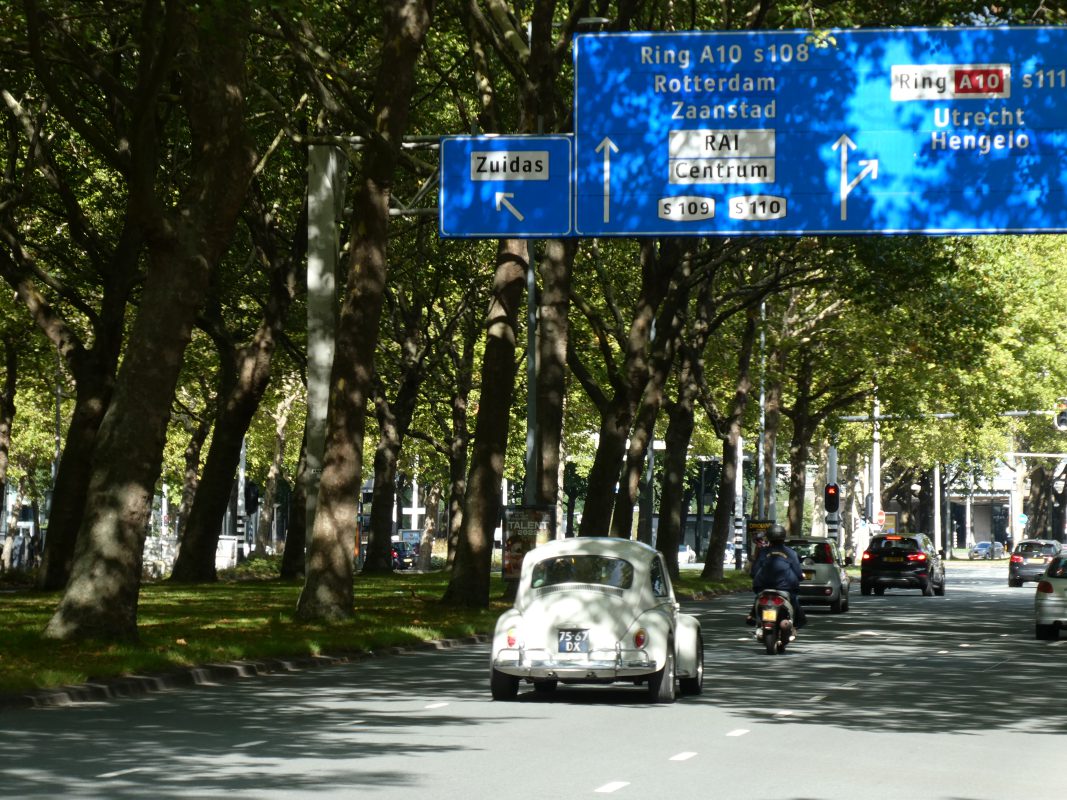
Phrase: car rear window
[1058,568]
[1036,549]
[599,570]
[893,543]
[819,552]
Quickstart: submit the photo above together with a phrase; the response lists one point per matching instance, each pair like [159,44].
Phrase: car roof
[593,545]
[1039,541]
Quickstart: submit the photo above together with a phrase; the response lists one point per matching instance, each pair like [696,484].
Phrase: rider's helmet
[776,534]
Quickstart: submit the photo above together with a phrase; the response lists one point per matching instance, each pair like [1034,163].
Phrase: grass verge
[250,618]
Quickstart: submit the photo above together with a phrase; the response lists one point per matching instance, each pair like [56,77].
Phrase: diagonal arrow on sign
[607,147]
[502,200]
[870,167]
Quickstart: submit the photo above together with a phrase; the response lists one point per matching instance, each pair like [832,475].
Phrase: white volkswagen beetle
[596,610]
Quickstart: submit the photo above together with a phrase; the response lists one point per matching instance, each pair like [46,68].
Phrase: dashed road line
[738,732]
[121,772]
[682,757]
[614,786]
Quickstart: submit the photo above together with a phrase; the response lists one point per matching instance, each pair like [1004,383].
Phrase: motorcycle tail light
[773,600]
[1044,587]
[640,638]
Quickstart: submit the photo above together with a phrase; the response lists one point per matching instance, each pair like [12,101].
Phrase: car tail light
[916,556]
[640,638]
[512,637]
[1044,587]
[1016,559]
[866,555]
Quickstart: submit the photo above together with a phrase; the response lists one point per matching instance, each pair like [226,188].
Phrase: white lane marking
[738,732]
[435,705]
[350,722]
[783,713]
[875,674]
[848,685]
[614,786]
[250,744]
[682,757]
[117,773]
[942,652]
[816,698]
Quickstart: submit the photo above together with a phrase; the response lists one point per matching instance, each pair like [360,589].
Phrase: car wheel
[503,687]
[865,589]
[844,604]
[927,589]
[1046,632]
[836,606]
[661,683]
[545,686]
[880,591]
[940,590]
[695,685]
[1014,583]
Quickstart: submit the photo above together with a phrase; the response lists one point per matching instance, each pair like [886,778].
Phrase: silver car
[825,580]
[596,610]
[1050,600]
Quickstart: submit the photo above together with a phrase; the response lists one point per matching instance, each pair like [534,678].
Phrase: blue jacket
[777,567]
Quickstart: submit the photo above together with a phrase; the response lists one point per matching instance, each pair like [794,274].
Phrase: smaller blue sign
[505,186]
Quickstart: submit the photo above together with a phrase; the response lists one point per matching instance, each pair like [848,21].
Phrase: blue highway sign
[505,186]
[943,130]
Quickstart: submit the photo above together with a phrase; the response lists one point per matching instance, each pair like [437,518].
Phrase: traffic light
[831,497]
[1059,418]
[251,498]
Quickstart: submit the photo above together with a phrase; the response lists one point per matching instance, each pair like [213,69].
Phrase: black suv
[1030,559]
[906,560]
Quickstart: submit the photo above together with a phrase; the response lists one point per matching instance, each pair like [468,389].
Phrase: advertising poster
[525,527]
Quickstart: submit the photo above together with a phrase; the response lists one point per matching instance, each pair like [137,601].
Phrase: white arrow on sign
[502,200]
[607,147]
[870,167]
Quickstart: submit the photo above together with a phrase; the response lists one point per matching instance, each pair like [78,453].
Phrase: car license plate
[1035,561]
[895,560]
[573,641]
[769,615]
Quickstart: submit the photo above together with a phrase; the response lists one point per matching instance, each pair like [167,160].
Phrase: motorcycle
[774,620]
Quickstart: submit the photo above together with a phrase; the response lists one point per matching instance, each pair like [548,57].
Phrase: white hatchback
[596,610]
[1050,600]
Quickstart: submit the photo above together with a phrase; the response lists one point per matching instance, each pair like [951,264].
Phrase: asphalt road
[902,697]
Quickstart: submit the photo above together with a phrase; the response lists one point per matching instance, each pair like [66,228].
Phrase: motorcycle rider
[777,566]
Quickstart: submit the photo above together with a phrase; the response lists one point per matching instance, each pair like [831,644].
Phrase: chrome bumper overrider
[595,664]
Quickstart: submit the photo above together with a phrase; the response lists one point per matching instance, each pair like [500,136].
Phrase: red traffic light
[832,498]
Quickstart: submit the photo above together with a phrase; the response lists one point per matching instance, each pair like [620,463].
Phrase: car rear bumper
[1027,573]
[598,665]
[810,593]
[1050,609]
[896,579]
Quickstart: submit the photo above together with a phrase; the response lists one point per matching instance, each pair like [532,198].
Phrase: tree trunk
[722,522]
[7,417]
[191,476]
[101,597]
[556,267]
[617,414]
[328,592]
[469,586]
[264,530]
[296,529]
[673,504]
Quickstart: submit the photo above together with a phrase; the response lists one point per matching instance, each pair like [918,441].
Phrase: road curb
[132,686]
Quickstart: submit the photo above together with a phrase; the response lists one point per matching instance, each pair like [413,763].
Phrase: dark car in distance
[404,554]
[902,560]
[1030,559]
